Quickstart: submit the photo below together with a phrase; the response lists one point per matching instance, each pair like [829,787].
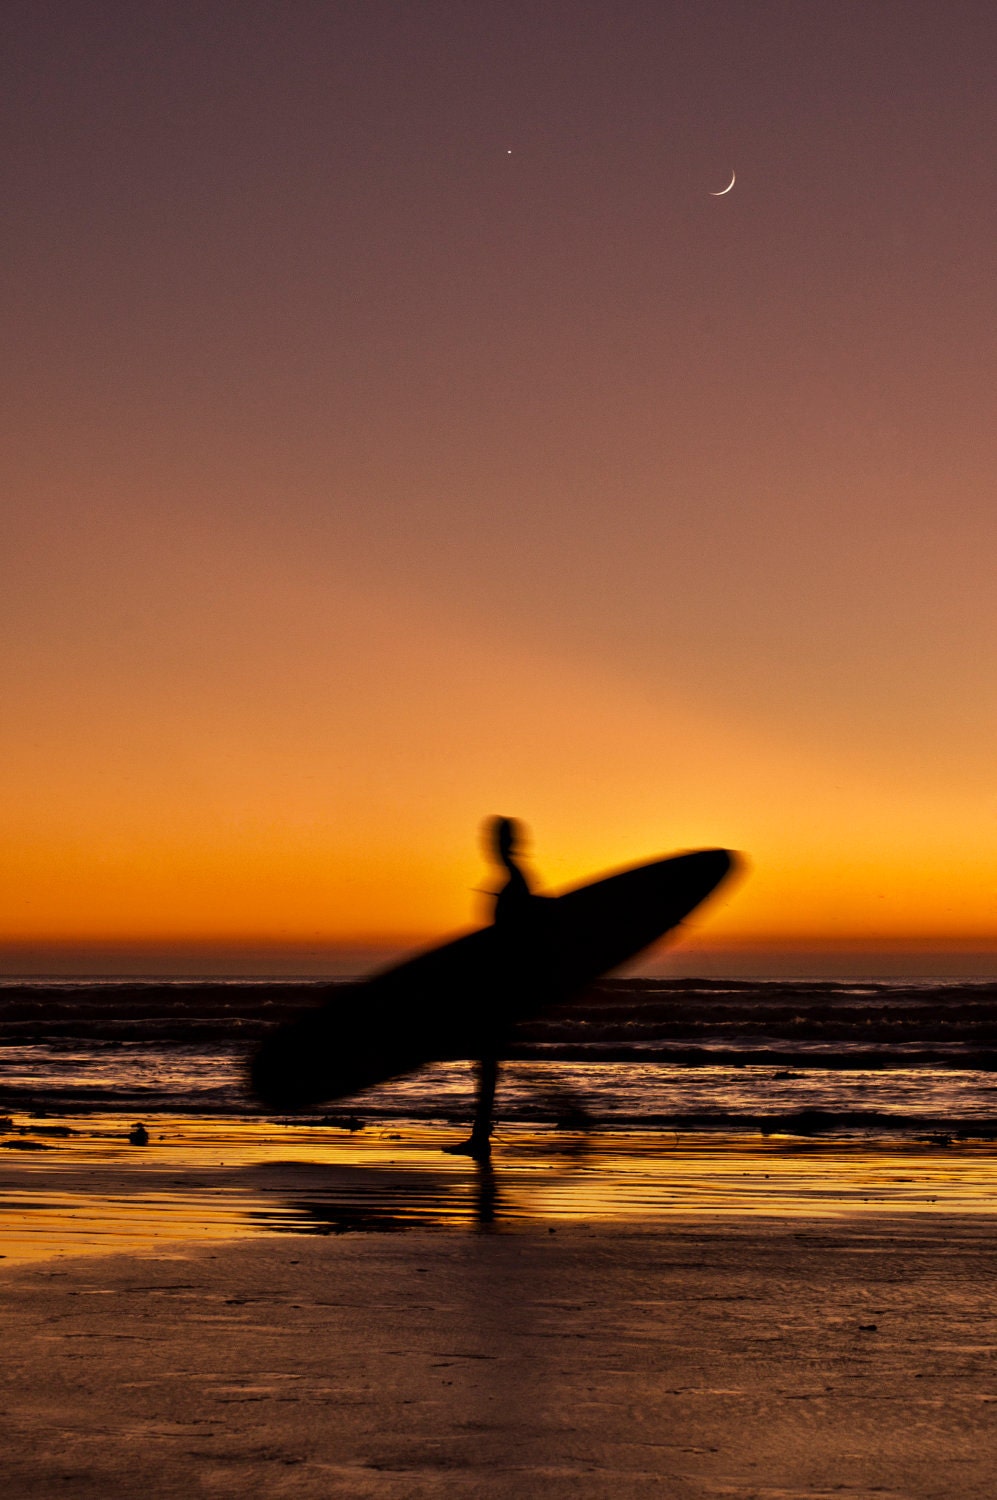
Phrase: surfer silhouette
[516,943]
[465,998]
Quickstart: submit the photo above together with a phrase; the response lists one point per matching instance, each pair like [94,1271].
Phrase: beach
[320,1312]
[694,1359]
[734,1240]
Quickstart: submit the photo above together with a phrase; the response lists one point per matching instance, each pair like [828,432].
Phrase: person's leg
[481,1134]
[479,1143]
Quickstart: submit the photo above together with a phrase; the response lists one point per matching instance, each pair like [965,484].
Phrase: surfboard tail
[325,1054]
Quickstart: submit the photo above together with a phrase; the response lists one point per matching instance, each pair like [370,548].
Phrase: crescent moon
[733,179]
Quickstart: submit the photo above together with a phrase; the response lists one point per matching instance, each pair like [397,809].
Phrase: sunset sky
[399,431]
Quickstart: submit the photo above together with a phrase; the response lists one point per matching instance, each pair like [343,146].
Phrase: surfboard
[462,999]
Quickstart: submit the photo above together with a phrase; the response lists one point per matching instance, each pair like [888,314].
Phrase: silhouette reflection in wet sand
[379,1201]
[381,1195]
[462,1000]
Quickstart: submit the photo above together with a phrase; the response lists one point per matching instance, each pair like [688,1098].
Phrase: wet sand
[593,1318]
[76,1185]
[261,1308]
[690,1359]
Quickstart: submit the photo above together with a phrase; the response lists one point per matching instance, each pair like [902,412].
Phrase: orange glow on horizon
[273,812]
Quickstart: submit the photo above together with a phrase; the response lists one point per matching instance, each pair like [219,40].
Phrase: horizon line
[681,938]
[789,958]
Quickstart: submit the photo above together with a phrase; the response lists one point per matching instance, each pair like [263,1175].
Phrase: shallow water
[137,1079]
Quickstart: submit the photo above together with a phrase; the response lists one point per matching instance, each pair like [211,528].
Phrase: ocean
[800,1057]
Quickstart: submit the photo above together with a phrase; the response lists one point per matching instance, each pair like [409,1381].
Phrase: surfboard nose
[700,871]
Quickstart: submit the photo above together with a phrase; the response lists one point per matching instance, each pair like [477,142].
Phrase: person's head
[504,837]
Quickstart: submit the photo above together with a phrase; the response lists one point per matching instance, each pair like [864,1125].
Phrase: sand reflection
[87,1188]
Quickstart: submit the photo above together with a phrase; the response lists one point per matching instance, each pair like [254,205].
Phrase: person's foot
[480,1149]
